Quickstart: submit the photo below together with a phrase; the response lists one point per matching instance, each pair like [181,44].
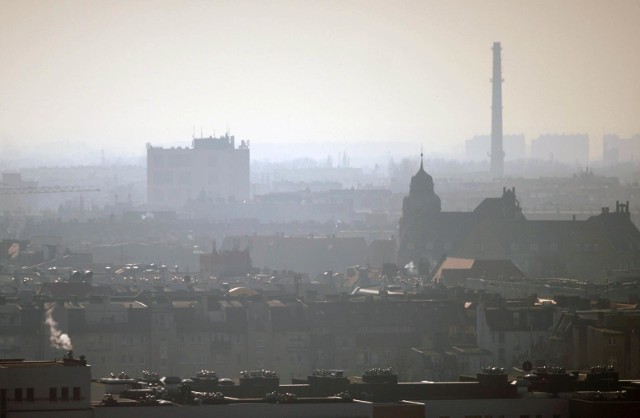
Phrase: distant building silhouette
[565,148]
[212,168]
[479,147]
[310,254]
[228,263]
[497,229]
[421,204]
[617,150]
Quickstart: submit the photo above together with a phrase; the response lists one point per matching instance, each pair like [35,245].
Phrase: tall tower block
[497,152]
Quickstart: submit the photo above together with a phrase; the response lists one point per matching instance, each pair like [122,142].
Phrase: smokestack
[497,152]
[57,338]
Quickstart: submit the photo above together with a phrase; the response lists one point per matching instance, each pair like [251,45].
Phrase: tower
[497,152]
[420,211]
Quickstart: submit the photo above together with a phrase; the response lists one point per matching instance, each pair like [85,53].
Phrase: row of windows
[199,338]
[169,177]
[534,247]
[186,160]
[130,359]
[28,395]
[193,358]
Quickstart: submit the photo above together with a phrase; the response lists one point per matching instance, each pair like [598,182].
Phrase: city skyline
[117,75]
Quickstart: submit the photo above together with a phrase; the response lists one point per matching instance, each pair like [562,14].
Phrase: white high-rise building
[212,168]
[619,150]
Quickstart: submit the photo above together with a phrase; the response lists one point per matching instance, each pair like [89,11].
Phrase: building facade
[498,230]
[620,150]
[211,169]
[565,148]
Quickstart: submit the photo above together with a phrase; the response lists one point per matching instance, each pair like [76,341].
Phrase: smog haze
[81,77]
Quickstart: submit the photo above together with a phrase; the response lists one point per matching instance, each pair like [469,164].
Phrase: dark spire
[421,165]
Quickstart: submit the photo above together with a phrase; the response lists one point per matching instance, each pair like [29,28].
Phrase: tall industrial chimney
[497,152]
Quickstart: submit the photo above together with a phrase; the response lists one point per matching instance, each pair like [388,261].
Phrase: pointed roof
[421,180]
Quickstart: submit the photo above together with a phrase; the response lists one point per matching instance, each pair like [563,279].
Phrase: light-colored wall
[177,174]
[41,377]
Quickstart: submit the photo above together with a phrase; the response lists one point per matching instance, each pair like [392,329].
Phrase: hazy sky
[119,74]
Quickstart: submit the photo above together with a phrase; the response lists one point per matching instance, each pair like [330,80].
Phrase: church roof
[421,177]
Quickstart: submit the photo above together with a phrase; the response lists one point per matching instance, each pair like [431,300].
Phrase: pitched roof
[461,268]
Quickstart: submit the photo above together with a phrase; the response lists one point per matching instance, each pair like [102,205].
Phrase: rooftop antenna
[421,154]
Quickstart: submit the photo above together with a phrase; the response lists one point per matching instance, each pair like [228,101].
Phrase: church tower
[419,210]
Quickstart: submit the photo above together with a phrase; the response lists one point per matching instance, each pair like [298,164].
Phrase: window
[64,394]
[612,340]
[17,395]
[53,394]
[76,393]
[220,359]
[30,397]
[366,356]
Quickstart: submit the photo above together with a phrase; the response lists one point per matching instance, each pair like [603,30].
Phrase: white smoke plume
[58,339]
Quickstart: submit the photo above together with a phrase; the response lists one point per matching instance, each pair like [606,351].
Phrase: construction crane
[47,189]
